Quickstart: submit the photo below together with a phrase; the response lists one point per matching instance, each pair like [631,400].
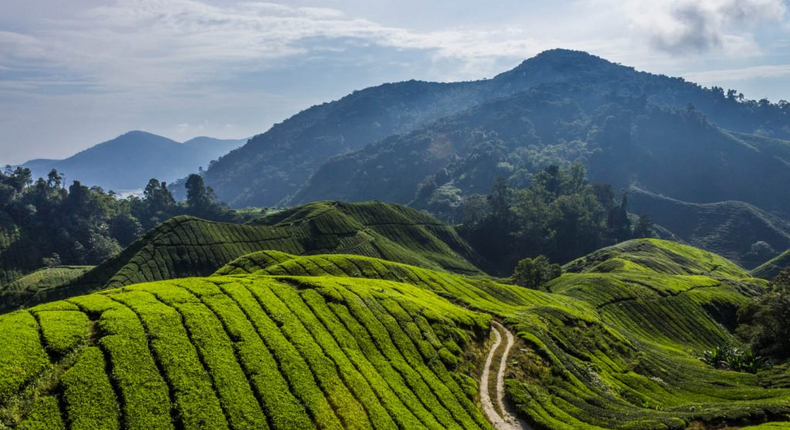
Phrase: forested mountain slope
[621,140]
[275,164]
[350,342]
[188,246]
[739,231]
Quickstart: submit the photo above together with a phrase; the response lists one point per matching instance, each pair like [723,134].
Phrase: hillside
[730,229]
[188,246]
[332,348]
[274,165]
[130,160]
[621,141]
[771,268]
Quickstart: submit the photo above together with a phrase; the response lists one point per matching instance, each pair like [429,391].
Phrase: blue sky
[78,72]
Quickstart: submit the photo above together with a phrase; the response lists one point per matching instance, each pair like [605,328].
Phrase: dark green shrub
[763,322]
[728,357]
[534,272]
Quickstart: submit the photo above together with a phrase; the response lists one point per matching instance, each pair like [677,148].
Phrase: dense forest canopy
[53,224]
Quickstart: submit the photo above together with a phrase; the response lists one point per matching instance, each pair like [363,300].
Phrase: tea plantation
[275,340]
[772,268]
[187,246]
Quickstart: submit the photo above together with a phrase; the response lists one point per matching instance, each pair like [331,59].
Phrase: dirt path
[508,421]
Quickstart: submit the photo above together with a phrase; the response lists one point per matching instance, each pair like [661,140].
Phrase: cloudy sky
[77,72]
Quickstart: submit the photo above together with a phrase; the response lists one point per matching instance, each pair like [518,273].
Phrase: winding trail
[500,422]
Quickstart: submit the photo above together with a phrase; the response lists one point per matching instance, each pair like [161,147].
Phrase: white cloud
[698,26]
[150,44]
[735,75]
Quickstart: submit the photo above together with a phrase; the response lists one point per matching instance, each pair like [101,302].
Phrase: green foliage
[187,246]
[559,215]
[22,356]
[729,357]
[88,395]
[62,330]
[45,224]
[764,321]
[146,401]
[773,267]
[736,230]
[45,415]
[196,402]
[283,341]
[534,272]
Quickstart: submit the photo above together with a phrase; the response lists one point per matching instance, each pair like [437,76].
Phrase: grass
[282,341]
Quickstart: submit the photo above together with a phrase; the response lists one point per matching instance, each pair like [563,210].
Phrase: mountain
[621,140]
[130,160]
[739,231]
[610,345]
[275,165]
[187,246]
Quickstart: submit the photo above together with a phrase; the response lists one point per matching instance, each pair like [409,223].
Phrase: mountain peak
[559,62]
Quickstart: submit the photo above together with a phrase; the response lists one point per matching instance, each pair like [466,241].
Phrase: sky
[74,73]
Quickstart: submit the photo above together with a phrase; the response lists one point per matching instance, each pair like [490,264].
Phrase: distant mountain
[130,160]
[739,231]
[275,165]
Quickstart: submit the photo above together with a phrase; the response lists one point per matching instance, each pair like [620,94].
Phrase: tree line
[77,224]
[560,215]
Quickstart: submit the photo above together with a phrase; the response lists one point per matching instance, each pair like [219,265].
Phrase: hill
[130,160]
[771,268]
[188,246]
[739,231]
[336,349]
[274,165]
[621,141]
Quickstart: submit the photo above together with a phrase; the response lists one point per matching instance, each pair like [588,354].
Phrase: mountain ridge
[128,161]
[275,164]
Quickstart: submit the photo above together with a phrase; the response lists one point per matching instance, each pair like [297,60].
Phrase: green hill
[771,268]
[187,246]
[731,229]
[357,342]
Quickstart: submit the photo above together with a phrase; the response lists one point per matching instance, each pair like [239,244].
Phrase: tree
[159,203]
[534,272]
[500,198]
[617,220]
[763,322]
[643,228]
[474,209]
[199,198]
[54,180]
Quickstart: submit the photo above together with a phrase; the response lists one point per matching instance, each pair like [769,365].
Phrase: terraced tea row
[342,341]
[242,353]
[184,246]
[625,331]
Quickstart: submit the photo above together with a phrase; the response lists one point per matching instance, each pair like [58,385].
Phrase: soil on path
[505,421]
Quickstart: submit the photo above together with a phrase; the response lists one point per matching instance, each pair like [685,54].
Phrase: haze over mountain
[130,160]
[275,167]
